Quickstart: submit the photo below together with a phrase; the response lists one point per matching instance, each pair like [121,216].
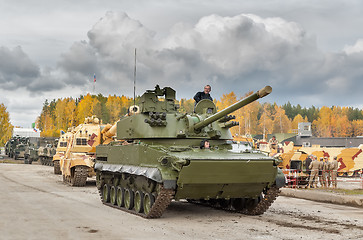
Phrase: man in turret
[314,166]
[204,144]
[203,95]
[333,172]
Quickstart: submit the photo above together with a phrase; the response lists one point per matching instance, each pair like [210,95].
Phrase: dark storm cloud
[239,53]
[16,69]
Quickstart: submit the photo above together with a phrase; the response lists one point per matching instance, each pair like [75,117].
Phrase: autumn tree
[5,126]
[265,125]
[281,123]
[298,119]
[86,108]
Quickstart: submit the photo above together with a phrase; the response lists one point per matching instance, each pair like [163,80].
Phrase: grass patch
[10,161]
[347,191]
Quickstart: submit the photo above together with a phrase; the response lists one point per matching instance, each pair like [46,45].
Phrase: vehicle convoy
[157,157]
[61,149]
[78,160]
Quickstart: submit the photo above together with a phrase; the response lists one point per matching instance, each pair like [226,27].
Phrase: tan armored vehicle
[61,149]
[78,160]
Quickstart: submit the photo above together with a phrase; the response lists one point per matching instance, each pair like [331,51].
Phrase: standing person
[203,95]
[333,172]
[308,160]
[326,172]
[314,166]
[321,177]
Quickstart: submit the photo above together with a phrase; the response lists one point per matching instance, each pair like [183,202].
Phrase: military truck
[77,162]
[61,149]
[31,154]
[19,151]
[157,157]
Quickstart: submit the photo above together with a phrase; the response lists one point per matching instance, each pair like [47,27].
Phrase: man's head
[204,144]
[207,89]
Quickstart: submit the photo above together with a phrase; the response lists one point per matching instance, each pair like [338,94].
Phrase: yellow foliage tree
[86,108]
[297,119]
[281,123]
[265,125]
[5,126]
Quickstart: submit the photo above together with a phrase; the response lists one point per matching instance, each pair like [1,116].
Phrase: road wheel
[113,195]
[149,200]
[106,193]
[139,201]
[129,198]
[120,196]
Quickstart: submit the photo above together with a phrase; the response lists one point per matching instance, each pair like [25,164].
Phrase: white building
[26,132]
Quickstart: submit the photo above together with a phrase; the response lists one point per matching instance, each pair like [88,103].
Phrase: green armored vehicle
[46,153]
[157,157]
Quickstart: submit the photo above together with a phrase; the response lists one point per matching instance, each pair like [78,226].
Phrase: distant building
[305,138]
[26,132]
[304,129]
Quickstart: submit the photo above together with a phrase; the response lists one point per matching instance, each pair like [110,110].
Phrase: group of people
[324,171]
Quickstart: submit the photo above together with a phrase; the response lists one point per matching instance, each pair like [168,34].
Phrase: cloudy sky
[310,52]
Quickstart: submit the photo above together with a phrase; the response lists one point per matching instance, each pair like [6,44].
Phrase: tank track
[46,161]
[79,178]
[263,204]
[57,167]
[162,201]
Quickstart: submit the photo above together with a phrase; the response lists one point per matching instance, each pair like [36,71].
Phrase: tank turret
[159,118]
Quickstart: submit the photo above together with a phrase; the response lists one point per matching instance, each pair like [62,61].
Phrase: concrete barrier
[319,196]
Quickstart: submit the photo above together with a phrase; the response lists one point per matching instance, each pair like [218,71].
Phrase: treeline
[254,118]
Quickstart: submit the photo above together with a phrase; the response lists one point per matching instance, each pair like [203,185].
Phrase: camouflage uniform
[326,173]
[333,172]
[321,177]
[314,166]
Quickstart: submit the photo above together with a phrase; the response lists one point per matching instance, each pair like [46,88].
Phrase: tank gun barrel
[259,94]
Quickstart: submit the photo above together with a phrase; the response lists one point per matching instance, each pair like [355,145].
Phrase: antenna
[135,81]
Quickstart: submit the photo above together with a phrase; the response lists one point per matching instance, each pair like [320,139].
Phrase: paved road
[36,204]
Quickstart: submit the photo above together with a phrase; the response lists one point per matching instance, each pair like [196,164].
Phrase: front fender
[280,180]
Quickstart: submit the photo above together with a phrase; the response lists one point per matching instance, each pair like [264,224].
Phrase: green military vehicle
[157,157]
[13,146]
[46,153]
[19,151]
[31,154]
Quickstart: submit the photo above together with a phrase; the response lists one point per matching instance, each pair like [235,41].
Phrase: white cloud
[356,48]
